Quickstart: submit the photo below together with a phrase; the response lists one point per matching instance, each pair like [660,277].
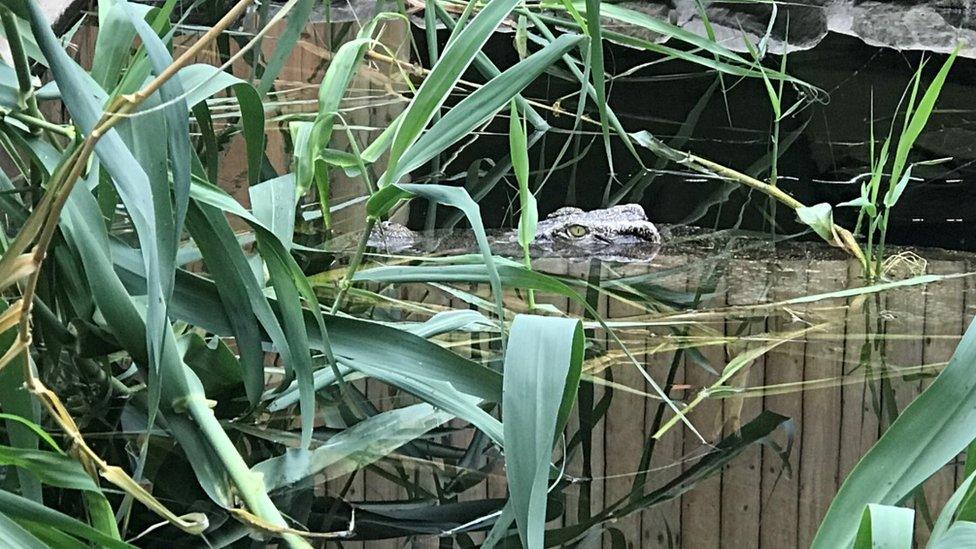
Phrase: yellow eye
[576,231]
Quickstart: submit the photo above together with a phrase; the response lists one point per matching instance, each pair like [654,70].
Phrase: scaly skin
[617,226]
[620,233]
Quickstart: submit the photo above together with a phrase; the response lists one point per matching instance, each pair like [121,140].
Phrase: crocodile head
[620,233]
[391,237]
[618,227]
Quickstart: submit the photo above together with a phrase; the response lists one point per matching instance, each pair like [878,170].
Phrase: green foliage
[542,374]
[933,429]
[874,206]
[229,360]
[887,527]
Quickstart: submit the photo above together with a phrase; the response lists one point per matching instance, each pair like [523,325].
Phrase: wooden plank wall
[755,502]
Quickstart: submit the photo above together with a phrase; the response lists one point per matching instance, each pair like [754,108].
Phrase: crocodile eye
[577,231]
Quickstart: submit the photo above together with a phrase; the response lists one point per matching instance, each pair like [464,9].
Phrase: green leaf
[298,13]
[820,218]
[113,44]
[542,371]
[84,230]
[479,106]
[38,431]
[21,408]
[14,535]
[342,69]
[511,274]
[273,202]
[380,203]
[894,193]
[130,180]
[214,363]
[502,524]
[485,66]
[455,59]
[51,468]
[240,293]
[961,500]
[406,361]
[443,392]
[354,344]
[863,202]
[176,114]
[322,378]
[885,527]
[598,71]
[202,81]
[933,429]
[354,448]
[960,534]
[25,510]
[920,117]
[528,211]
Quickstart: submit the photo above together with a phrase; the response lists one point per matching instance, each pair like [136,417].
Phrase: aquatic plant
[137,323]
[180,363]
[875,207]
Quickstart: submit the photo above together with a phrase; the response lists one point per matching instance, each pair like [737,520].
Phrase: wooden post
[819,426]
[701,508]
[943,322]
[625,427]
[742,479]
[661,525]
[780,488]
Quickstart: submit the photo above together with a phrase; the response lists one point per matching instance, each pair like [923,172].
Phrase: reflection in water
[731,326]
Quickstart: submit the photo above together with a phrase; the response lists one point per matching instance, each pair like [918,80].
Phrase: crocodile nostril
[645,232]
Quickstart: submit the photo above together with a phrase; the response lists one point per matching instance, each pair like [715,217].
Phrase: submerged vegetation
[189,363]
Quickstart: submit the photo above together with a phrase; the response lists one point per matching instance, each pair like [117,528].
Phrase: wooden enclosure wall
[755,502]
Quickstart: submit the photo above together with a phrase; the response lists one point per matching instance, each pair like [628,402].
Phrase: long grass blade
[542,373]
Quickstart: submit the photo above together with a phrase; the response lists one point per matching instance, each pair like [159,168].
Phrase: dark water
[824,146]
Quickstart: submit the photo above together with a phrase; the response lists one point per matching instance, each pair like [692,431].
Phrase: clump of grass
[894,174]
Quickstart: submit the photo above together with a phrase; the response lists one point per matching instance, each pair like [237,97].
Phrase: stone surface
[934,25]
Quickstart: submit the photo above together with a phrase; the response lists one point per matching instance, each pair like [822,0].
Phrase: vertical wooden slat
[357,491]
[625,429]
[580,269]
[742,479]
[968,313]
[464,435]
[820,426]
[599,457]
[780,490]
[859,423]
[905,324]
[379,489]
[701,513]
[661,525]
[496,485]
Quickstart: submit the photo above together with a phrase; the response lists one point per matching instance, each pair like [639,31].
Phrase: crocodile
[620,233]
